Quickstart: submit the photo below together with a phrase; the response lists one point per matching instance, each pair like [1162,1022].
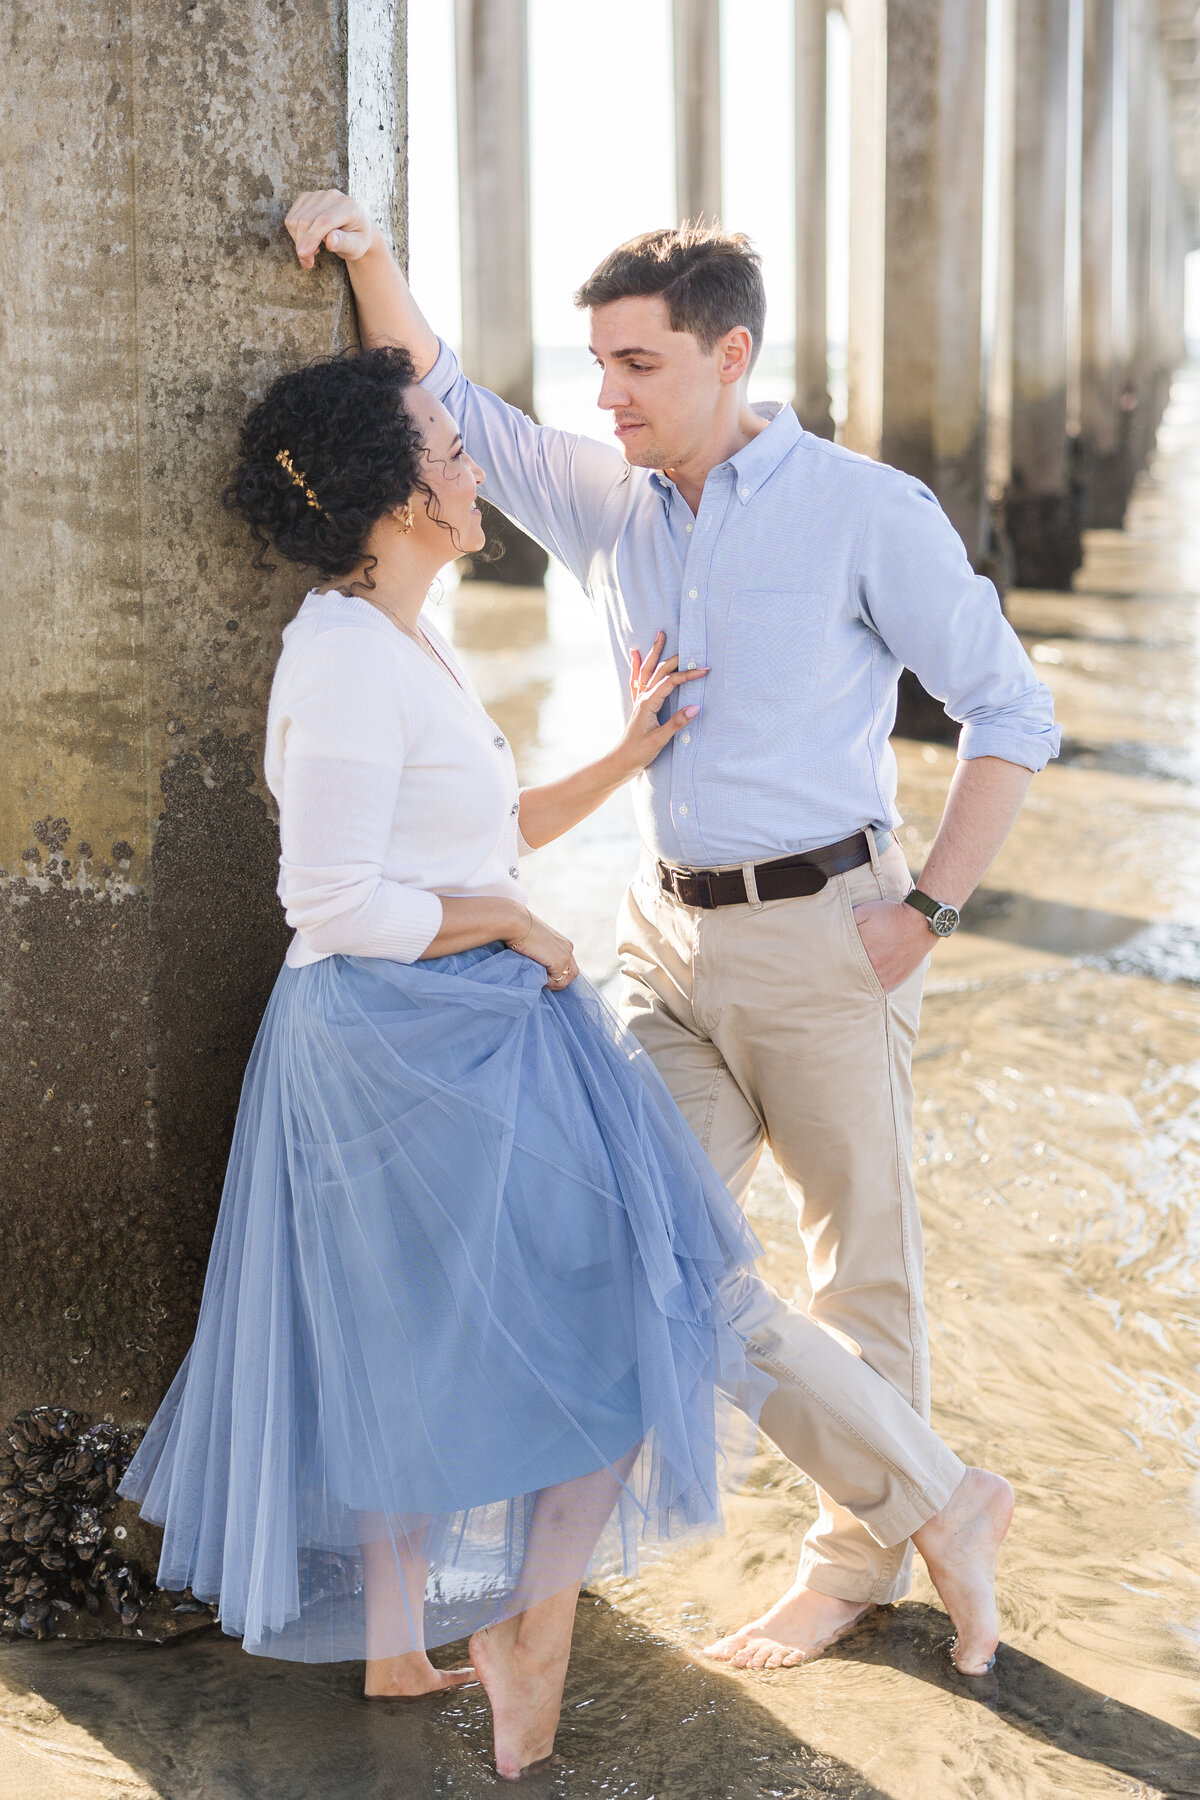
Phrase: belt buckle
[691,887]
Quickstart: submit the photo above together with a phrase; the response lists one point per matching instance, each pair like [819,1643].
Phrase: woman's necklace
[418,637]
[423,643]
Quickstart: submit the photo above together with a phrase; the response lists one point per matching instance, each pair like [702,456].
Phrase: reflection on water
[1058,1161]
[1169,951]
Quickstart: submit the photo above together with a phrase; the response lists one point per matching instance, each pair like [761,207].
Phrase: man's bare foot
[960,1546]
[410,1677]
[524,1685]
[797,1629]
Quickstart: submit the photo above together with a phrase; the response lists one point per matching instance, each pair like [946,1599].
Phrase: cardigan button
[516,807]
[515,874]
[499,743]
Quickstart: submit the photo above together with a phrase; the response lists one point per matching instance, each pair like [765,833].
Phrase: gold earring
[409,520]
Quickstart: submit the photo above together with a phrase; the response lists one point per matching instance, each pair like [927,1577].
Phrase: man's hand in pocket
[895,938]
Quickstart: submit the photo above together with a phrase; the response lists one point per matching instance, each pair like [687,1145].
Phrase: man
[774,955]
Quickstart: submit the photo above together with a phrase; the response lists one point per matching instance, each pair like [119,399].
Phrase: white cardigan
[393,785]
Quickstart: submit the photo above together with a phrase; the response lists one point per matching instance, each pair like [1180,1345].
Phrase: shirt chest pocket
[774,643]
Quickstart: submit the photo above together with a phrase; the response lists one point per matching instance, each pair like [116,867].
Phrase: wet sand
[1058,1160]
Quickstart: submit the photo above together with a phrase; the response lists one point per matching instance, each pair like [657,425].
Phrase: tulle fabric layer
[467,1251]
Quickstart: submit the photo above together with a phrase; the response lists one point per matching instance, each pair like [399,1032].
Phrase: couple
[481,1313]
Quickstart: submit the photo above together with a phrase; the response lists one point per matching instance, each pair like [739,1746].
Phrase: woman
[462,1335]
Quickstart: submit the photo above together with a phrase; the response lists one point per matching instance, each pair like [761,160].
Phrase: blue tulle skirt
[461,1341]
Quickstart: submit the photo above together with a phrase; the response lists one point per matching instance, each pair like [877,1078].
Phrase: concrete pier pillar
[139,930]
[1136,399]
[491,64]
[998,294]
[866,22]
[934,416]
[812,400]
[1042,509]
[1162,344]
[1140,399]
[1151,190]
[1104,467]
[697,66]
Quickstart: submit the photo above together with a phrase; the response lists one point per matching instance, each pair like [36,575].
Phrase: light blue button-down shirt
[807,580]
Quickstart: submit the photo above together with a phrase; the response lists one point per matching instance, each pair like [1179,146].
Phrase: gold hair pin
[284,459]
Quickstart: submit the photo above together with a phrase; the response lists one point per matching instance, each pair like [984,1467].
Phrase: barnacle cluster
[324,1574]
[58,1479]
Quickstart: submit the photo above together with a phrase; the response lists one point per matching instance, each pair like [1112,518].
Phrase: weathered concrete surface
[812,402]
[934,421]
[1158,236]
[492,75]
[1042,504]
[697,75]
[152,302]
[933,375]
[866,22]
[1106,472]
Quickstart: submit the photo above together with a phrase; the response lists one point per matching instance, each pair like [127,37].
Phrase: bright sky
[602,146]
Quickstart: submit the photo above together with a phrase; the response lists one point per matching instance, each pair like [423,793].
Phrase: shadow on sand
[640,1721]
[1035,1700]
[202,1718]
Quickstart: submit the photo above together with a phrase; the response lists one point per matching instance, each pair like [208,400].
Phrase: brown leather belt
[785,878]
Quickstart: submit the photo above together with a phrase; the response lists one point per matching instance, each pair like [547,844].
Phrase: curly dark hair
[326,452]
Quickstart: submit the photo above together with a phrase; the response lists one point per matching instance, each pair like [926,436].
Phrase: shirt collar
[758,459]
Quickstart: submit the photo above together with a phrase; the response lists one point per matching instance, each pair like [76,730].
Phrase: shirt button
[683,810]
[693,593]
[745,493]
[689,527]
[499,743]
[685,737]
[692,664]
[513,873]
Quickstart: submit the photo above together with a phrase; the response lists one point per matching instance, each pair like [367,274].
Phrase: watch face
[945,920]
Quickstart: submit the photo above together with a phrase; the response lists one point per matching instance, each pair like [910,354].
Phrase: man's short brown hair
[710,279]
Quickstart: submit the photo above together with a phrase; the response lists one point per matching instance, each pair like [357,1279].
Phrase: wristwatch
[941,920]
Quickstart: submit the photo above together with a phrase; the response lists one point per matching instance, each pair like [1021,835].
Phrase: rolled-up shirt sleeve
[919,593]
[344,743]
[553,484]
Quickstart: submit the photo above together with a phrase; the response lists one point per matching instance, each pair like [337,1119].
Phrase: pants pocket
[858,949]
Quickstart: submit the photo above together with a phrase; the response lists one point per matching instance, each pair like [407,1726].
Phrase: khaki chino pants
[768,1024]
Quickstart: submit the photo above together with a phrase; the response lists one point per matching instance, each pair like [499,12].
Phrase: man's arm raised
[387,312]
[553,484]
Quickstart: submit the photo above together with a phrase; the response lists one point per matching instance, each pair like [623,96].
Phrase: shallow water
[1058,1159]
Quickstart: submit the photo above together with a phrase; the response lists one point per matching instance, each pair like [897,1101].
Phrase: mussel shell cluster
[58,1480]
[325,1575]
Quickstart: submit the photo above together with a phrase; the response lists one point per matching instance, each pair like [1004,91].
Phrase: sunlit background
[602,167]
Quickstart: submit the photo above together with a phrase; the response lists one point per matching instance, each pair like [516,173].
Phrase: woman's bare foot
[409,1677]
[798,1629]
[522,1663]
[960,1546]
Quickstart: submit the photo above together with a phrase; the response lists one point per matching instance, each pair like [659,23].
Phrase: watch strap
[923,903]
